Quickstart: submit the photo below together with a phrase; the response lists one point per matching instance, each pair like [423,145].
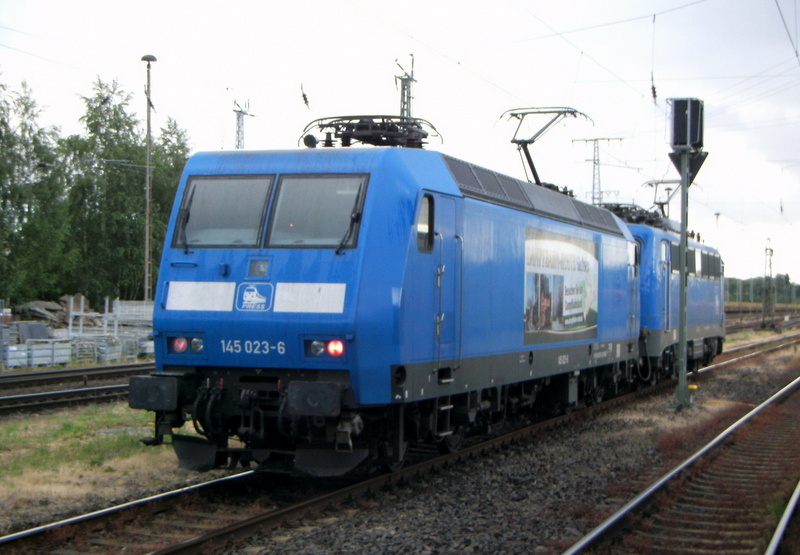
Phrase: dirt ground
[68,489]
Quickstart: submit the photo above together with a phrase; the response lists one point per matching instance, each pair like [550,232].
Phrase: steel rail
[40,530]
[52,399]
[777,537]
[273,518]
[18,379]
[753,350]
[615,520]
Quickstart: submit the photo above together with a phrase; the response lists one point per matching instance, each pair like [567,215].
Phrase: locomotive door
[666,281]
[432,282]
[447,259]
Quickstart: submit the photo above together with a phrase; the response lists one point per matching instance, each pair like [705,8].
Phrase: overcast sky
[473,60]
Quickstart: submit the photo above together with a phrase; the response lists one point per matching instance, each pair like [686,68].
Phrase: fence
[121,334]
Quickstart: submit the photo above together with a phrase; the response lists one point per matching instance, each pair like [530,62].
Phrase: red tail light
[179,344]
[335,348]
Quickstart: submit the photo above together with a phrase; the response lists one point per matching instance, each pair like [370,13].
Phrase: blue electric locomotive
[324,308]
[705,326]
[659,239]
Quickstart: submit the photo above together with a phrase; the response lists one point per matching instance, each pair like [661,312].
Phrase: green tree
[107,197]
[33,220]
[9,193]
[170,153]
[72,208]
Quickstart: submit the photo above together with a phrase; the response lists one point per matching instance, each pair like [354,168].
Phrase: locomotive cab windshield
[309,211]
[316,211]
[223,211]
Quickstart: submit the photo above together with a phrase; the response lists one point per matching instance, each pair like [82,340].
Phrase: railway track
[191,522]
[32,402]
[23,392]
[718,500]
[125,527]
[132,524]
[739,324]
[72,375]
[751,349]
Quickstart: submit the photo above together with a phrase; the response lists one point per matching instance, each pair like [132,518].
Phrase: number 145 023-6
[256,347]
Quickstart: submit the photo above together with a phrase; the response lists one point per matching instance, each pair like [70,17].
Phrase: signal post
[687,155]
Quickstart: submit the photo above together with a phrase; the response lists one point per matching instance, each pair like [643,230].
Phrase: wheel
[591,395]
[497,421]
[453,442]
[393,448]
[393,464]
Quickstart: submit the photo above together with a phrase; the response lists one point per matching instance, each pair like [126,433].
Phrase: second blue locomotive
[322,309]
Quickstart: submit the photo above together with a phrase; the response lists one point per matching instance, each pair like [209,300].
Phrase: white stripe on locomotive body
[310,298]
[213,296]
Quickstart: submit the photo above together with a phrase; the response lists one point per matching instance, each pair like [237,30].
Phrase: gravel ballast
[543,496]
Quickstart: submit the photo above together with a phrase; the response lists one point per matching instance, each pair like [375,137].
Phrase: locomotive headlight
[317,347]
[196,344]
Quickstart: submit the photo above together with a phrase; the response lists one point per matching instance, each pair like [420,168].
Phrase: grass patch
[776,505]
[86,436]
[57,465]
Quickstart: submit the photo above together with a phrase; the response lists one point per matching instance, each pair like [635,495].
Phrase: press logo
[254,296]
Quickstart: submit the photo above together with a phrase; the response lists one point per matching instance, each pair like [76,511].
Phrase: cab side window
[425,225]
[634,256]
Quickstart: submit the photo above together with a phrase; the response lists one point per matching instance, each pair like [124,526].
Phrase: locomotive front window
[222,211]
[317,211]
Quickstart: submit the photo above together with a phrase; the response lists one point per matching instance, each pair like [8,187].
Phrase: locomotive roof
[634,214]
[473,182]
[487,185]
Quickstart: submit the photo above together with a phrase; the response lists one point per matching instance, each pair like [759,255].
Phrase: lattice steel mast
[405,88]
[597,191]
[240,114]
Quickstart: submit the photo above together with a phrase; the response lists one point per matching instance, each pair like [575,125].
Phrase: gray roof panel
[490,186]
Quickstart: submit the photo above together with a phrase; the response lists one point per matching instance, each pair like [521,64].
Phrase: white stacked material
[49,352]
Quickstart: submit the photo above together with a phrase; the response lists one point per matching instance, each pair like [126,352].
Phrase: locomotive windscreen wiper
[355,218]
[183,220]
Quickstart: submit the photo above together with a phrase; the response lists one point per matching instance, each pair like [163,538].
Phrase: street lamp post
[148,266]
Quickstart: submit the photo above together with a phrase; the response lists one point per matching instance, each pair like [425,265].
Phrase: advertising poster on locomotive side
[561,280]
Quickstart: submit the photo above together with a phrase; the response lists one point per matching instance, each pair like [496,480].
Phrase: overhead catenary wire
[788,33]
